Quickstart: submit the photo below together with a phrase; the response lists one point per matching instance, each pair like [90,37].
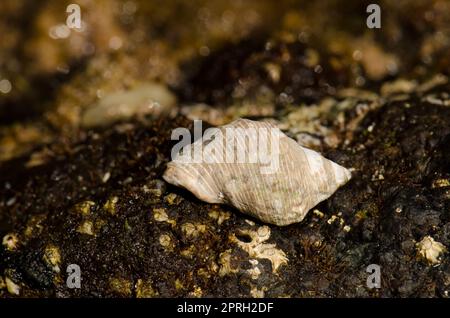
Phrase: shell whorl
[301,180]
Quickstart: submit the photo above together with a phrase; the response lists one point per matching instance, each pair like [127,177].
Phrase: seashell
[278,186]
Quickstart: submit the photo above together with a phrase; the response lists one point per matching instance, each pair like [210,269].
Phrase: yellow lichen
[85,207]
[225,264]
[34,226]
[144,289]
[53,257]
[99,223]
[178,285]
[219,216]
[188,252]
[191,230]
[362,214]
[121,286]
[203,272]
[440,183]
[166,241]
[160,215]
[172,199]
[110,205]
[10,241]
[87,227]
[197,292]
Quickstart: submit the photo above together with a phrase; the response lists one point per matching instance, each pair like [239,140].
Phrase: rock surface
[134,235]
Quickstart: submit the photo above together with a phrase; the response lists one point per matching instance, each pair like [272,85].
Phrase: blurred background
[222,53]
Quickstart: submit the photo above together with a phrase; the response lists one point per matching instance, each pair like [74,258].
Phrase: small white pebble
[5,86]
[249,222]
[12,287]
[332,219]
[11,201]
[318,213]
[254,262]
[10,241]
[106,177]
[115,43]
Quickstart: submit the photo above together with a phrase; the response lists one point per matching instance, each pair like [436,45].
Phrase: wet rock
[167,243]
[292,73]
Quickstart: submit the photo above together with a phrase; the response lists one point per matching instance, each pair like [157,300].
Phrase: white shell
[144,99]
[282,197]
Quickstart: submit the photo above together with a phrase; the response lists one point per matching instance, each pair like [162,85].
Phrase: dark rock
[242,71]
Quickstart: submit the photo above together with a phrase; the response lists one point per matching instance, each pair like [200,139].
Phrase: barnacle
[430,250]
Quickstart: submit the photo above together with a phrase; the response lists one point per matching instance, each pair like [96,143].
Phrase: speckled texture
[197,249]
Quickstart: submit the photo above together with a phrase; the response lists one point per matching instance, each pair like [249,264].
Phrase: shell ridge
[302,179]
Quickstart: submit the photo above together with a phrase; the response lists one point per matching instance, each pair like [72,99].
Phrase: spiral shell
[298,181]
